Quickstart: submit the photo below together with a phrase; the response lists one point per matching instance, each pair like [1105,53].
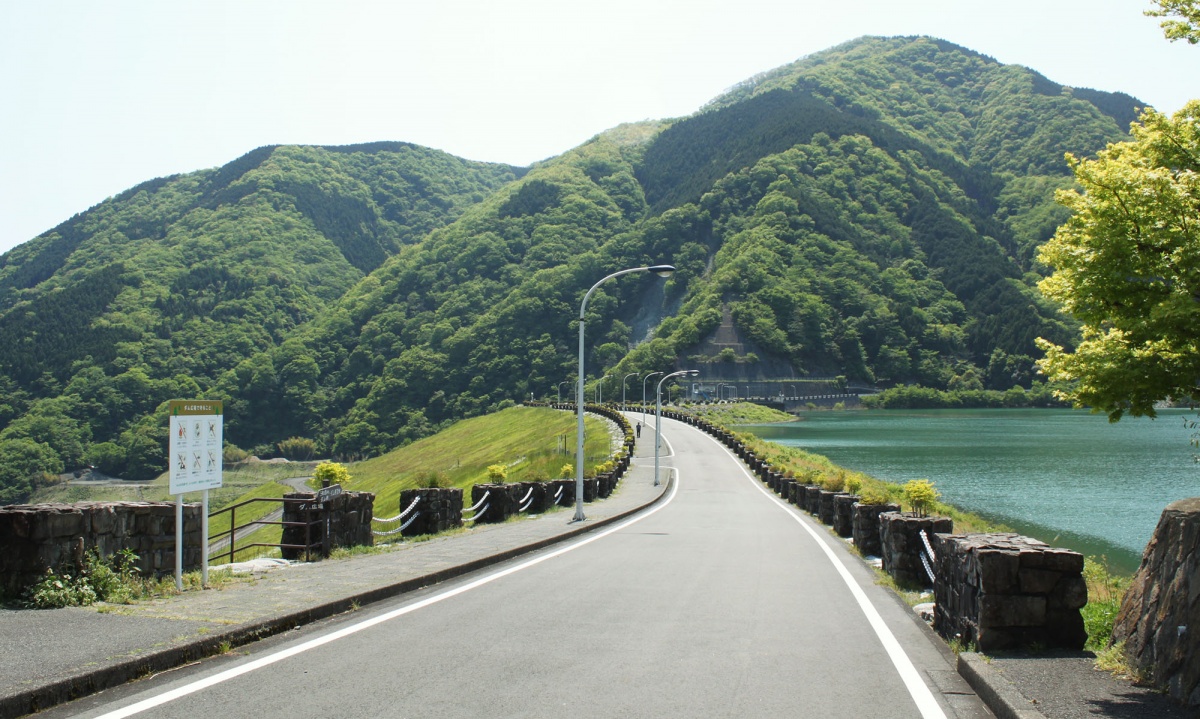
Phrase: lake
[1067,477]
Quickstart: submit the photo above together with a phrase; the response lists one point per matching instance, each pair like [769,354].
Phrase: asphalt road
[722,601]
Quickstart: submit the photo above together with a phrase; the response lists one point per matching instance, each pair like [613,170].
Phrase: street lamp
[658,418]
[644,380]
[623,407]
[659,270]
[600,389]
[558,388]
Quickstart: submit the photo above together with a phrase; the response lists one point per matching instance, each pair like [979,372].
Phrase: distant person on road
[639,430]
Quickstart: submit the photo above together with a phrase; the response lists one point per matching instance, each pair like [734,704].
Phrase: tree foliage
[1127,265]
[1186,27]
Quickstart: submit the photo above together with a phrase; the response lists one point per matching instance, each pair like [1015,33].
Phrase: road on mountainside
[721,601]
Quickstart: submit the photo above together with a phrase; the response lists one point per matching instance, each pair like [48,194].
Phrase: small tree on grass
[497,473]
[921,495]
[332,472]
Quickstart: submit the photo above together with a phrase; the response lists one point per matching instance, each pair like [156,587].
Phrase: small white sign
[196,445]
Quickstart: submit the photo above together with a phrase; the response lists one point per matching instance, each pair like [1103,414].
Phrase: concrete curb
[90,682]
[997,692]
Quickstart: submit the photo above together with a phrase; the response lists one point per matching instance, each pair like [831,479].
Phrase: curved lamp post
[661,271]
[600,389]
[623,379]
[644,380]
[658,418]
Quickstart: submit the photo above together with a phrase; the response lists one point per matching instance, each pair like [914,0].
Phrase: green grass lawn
[525,439]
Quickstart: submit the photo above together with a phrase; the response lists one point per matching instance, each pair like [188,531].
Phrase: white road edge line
[925,701]
[180,692]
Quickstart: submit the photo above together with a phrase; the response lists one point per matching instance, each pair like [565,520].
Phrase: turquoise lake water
[1067,477]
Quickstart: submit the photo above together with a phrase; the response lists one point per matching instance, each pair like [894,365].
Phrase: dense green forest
[869,211]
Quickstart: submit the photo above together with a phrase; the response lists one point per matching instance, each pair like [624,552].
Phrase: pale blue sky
[96,97]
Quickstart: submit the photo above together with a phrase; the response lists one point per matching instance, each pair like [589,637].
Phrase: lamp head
[663,271]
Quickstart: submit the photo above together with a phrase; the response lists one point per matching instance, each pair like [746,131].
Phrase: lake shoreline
[1066,477]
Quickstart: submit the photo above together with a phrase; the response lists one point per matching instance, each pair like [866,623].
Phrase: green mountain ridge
[869,211]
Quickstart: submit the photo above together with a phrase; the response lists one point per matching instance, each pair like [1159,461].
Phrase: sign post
[195,454]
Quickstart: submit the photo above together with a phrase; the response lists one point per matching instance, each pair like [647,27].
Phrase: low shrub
[835,482]
[113,580]
[920,495]
[332,472]
[874,495]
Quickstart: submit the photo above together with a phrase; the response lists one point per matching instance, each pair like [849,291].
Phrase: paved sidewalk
[1062,685]
[51,656]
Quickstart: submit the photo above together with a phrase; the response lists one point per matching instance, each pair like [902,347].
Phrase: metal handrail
[234,528]
[478,514]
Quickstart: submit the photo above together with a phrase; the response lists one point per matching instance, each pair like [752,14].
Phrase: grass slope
[524,439]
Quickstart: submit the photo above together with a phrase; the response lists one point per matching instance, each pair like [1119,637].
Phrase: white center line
[279,656]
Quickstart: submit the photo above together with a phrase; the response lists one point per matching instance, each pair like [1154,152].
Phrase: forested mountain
[869,211]
[158,292]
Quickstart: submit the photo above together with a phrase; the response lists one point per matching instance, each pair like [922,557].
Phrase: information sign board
[324,494]
[196,445]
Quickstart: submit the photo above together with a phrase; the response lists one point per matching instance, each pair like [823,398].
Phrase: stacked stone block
[901,545]
[812,499]
[346,516]
[440,509]
[843,514]
[1005,591]
[568,491]
[35,538]
[501,504]
[865,531]
[825,505]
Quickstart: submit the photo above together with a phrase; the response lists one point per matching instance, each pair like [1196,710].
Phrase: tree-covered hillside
[870,211]
[157,292]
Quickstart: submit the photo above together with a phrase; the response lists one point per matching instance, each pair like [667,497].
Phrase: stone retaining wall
[37,537]
[1005,591]
[1159,618]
